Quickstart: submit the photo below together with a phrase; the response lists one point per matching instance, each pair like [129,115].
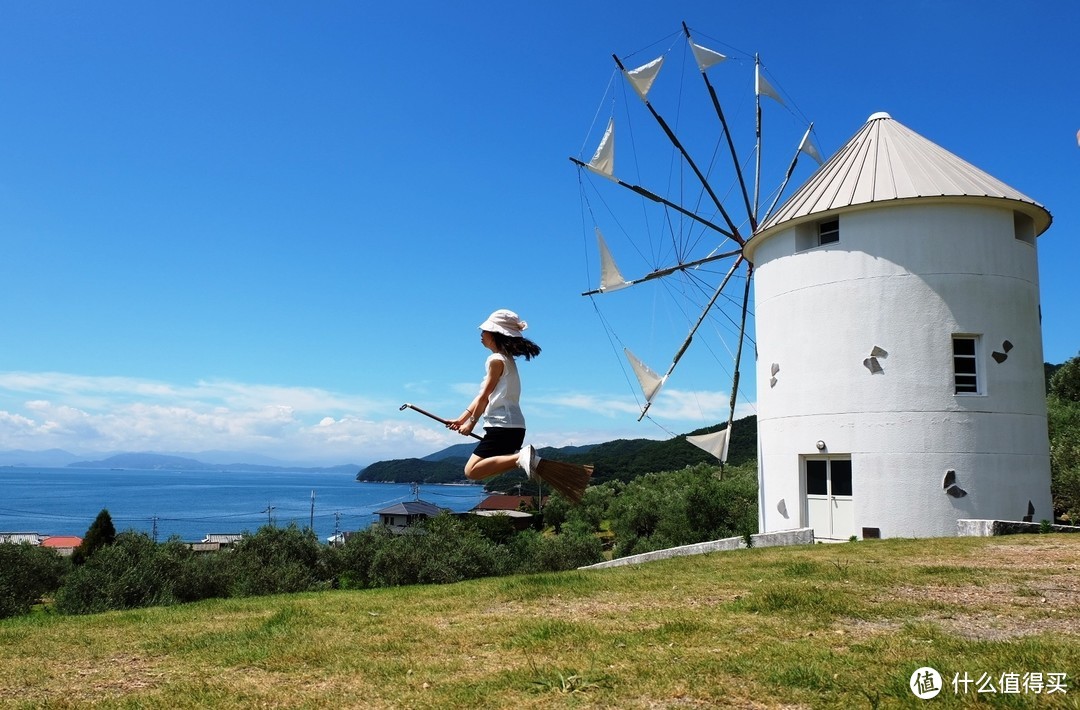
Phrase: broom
[569,479]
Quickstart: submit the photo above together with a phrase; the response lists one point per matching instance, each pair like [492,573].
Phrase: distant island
[164,462]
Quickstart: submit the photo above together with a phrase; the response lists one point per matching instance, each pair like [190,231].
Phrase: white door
[830,509]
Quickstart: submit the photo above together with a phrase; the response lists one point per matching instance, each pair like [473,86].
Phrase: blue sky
[259,227]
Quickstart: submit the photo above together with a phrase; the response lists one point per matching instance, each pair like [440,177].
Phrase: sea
[192,504]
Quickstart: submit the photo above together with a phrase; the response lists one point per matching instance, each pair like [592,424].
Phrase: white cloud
[303,425]
[87,414]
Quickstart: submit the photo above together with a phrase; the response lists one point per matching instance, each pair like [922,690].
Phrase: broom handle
[429,414]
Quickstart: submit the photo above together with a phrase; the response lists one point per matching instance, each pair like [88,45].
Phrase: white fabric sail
[807,146]
[763,88]
[650,381]
[706,57]
[603,160]
[643,77]
[610,277]
[715,443]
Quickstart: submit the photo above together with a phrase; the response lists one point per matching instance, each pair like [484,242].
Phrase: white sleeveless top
[503,409]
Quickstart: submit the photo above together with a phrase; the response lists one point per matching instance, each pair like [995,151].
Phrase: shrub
[1063,410]
[193,575]
[349,566]
[27,573]
[576,546]
[274,561]
[499,529]
[123,575]
[662,510]
[438,551]
[591,510]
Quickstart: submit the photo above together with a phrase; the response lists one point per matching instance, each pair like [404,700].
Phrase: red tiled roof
[61,541]
[505,502]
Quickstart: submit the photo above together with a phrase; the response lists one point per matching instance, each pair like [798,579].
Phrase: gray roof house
[399,516]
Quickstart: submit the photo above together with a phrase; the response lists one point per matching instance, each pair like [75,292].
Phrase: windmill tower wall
[861,428]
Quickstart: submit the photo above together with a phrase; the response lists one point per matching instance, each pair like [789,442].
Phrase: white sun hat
[505,322]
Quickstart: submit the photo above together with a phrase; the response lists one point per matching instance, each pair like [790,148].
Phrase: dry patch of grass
[832,626]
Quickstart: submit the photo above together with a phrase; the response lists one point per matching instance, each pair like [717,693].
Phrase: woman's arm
[475,410]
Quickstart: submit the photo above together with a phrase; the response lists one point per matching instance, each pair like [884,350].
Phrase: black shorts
[499,441]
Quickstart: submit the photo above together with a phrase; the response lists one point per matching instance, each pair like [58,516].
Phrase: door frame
[829,497]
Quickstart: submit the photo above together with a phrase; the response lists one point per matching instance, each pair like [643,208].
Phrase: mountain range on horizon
[147,460]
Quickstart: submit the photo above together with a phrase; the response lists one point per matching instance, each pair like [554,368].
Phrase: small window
[828,232]
[1024,228]
[965,364]
[841,477]
[817,477]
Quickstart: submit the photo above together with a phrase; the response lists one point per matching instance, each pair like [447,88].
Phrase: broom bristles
[569,479]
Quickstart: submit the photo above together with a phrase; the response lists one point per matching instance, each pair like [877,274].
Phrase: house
[223,538]
[899,346]
[499,501]
[215,541]
[401,515]
[18,538]
[63,544]
[339,538]
[520,509]
[519,519]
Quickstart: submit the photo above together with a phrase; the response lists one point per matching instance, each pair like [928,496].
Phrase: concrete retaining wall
[991,528]
[800,536]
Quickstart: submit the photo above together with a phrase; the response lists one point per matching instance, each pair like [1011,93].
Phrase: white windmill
[899,358]
[897,298]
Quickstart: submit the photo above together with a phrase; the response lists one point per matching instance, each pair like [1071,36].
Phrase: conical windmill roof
[887,161]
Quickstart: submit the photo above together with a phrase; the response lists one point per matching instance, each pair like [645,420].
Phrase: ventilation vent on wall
[1000,357]
[871,363]
[949,484]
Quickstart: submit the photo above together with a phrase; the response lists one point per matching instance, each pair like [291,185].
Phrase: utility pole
[311,525]
[269,509]
[155,529]
[416,490]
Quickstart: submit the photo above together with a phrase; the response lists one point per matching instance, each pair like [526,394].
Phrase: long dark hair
[515,347]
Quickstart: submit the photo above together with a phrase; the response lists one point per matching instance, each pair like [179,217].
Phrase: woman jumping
[497,402]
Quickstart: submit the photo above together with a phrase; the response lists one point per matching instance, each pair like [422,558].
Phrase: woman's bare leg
[478,468]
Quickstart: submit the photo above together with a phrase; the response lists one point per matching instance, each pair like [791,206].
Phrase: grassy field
[830,626]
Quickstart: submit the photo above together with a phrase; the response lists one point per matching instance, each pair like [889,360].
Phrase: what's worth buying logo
[925,683]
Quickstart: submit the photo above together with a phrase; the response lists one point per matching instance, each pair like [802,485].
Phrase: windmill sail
[715,443]
[706,57]
[603,160]
[610,277]
[807,146]
[763,88]
[650,381]
[643,77]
